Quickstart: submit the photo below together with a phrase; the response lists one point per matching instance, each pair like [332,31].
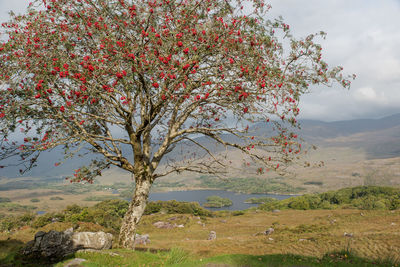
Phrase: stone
[276,211]
[142,239]
[93,240]
[54,246]
[348,234]
[269,231]
[164,225]
[74,263]
[180,226]
[51,246]
[212,235]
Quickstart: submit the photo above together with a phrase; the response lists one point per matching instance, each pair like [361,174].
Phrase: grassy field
[312,235]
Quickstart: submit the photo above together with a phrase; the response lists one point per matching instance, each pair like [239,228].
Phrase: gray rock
[348,234]
[269,231]
[75,262]
[142,239]
[276,211]
[99,240]
[164,225]
[54,246]
[212,235]
[51,246]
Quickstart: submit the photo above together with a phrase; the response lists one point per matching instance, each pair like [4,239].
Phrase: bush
[217,202]
[8,223]
[362,197]
[259,200]
[43,220]
[4,199]
[56,198]
[35,200]
[173,206]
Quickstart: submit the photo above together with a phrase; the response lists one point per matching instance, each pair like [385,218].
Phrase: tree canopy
[150,75]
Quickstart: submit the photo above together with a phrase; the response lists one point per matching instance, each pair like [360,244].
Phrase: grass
[301,238]
[177,257]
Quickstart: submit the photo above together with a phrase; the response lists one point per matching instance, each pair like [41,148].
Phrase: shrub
[35,200]
[217,202]
[4,199]
[56,198]
[362,197]
[173,206]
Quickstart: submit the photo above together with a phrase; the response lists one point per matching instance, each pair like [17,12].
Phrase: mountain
[377,138]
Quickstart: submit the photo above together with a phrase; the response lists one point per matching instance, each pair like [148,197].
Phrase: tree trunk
[134,213]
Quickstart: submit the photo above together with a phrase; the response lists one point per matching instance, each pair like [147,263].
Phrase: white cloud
[363,37]
[368,94]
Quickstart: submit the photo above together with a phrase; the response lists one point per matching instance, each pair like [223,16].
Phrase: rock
[270,239]
[276,211]
[51,246]
[173,218]
[269,231]
[164,225]
[74,263]
[142,239]
[223,221]
[98,240]
[54,246]
[393,224]
[348,234]
[180,226]
[212,235]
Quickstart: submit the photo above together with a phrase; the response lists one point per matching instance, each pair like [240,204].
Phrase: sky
[363,36]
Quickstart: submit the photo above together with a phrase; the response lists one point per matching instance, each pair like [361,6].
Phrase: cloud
[368,94]
[363,37]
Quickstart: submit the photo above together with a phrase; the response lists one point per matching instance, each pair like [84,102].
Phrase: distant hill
[378,138]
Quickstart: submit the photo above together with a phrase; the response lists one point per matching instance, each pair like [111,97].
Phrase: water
[200,196]
[40,212]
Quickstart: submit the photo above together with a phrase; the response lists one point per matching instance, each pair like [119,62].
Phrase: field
[372,234]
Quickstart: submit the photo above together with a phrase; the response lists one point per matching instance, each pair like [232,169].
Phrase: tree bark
[134,213]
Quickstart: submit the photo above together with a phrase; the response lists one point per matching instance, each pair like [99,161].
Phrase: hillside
[331,228]
[355,152]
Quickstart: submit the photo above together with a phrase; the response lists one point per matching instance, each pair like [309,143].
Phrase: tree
[148,76]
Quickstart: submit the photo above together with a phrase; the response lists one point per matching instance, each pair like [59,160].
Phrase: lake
[200,196]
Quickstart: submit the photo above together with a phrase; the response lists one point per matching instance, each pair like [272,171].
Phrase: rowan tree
[107,75]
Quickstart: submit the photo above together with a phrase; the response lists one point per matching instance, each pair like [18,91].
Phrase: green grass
[249,185]
[100,198]
[180,258]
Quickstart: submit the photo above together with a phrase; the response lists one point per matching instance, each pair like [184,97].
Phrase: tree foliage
[111,76]
[163,72]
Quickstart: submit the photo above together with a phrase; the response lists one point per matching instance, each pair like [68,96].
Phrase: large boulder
[98,240]
[142,239]
[53,246]
[212,235]
[164,225]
